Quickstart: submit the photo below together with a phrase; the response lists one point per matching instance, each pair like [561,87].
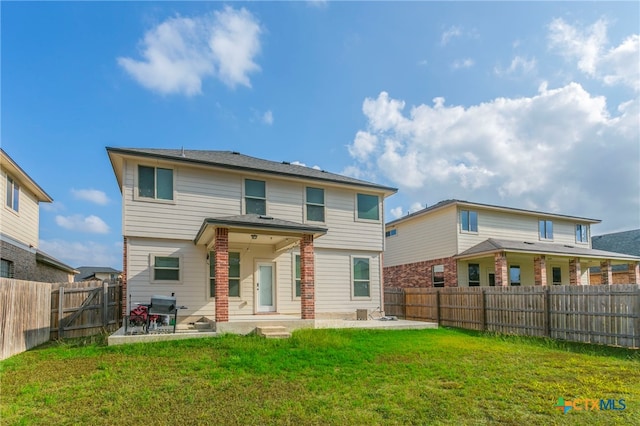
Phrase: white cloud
[463,63]
[180,52]
[92,195]
[557,150]
[267,118]
[89,253]
[396,212]
[449,34]
[589,47]
[91,224]
[519,65]
[53,207]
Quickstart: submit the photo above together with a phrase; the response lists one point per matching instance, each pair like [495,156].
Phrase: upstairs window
[582,233]
[368,207]
[315,204]
[438,275]
[13,194]
[545,228]
[155,182]
[391,232]
[234,274]
[469,221]
[255,197]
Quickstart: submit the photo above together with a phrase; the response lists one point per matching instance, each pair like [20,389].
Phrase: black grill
[159,305]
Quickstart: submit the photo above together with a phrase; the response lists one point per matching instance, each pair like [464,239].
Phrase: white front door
[265,288]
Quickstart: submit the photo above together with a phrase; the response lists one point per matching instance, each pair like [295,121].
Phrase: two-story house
[235,236]
[459,243]
[19,228]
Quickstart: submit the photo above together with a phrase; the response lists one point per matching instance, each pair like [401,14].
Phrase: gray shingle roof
[237,161]
[487,206]
[87,271]
[627,242]
[492,245]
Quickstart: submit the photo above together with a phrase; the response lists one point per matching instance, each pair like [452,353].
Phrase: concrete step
[273,332]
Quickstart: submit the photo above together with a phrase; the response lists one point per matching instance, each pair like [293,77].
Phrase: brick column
[605,272]
[502,273]
[221,247]
[307,278]
[450,272]
[634,272]
[575,274]
[540,270]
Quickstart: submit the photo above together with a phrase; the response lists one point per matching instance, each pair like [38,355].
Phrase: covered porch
[253,268]
[504,262]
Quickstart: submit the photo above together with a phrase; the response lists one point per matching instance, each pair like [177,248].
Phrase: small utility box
[361,314]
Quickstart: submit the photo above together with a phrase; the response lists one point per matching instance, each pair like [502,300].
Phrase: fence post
[60,312]
[404,303]
[438,306]
[637,321]
[547,311]
[483,307]
[105,303]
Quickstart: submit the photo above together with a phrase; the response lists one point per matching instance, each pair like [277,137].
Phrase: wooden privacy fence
[24,315]
[608,315]
[32,313]
[85,308]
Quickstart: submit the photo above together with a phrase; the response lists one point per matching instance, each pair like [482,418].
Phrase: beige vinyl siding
[23,224]
[191,292]
[431,236]
[512,226]
[334,282]
[199,194]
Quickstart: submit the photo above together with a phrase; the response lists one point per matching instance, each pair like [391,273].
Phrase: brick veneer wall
[420,274]
[221,247]
[25,266]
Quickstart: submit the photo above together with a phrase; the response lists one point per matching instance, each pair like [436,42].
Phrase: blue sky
[528,105]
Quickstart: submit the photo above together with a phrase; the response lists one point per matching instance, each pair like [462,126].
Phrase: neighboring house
[626,242]
[90,273]
[235,236]
[20,257]
[459,243]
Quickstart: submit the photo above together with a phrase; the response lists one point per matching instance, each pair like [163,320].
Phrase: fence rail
[608,315]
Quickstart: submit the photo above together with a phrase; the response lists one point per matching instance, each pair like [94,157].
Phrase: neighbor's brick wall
[26,267]
[419,274]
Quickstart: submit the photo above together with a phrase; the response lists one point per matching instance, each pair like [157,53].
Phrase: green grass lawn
[341,377]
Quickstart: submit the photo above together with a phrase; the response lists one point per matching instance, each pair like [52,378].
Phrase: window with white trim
[361,277]
[255,197]
[391,232]
[474,275]
[582,233]
[438,275]
[368,207]
[165,268]
[298,278]
[155,183]
[468,221]
[315,204]
[545,229]
[514,275]
[234,274]
[13,194]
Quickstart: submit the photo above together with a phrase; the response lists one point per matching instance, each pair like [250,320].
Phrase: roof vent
[265,217]
[235,152]
[528,242]
[286,162]
[568,246]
